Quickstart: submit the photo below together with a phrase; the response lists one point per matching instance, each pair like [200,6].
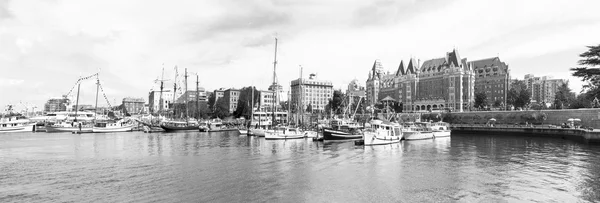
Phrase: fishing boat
[16,124]
[382,133]
[441,129]
[342,130]
[203,126]
[112,127]
[284,133]
[417,131]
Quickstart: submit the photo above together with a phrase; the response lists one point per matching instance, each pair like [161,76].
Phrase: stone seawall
[589,117]
[581,135]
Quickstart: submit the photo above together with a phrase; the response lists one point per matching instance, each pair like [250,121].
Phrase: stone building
[372,87]
[190,95]
[231,97]
[57,104]
[154,100]
[492,77]
[441,83]
[311,91]
[134,105]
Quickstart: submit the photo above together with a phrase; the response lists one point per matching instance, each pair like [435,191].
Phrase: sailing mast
[274,84]
[187,110]
[252,107]
[174,91]
[96,107]
[77,101]
[160,108]
[197,98]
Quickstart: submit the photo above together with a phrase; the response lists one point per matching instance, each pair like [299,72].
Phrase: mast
[197,97]
[187,111]
[274,83]
[300,101]
[252,107]
[289,107]
[96,107]
[174,90]
[160,108]
[77,101]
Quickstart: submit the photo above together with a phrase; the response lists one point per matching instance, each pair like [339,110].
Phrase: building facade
[439,84]
[266,99]
[543,89]
[190,95]
[355,89]
[311,92]
[231,97]
[154,100]
[57,104]
[134,106]
[372,84]
[492,77]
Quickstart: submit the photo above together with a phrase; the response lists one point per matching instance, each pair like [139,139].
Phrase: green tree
[591,73]
[337,102]
[221,109]
[309,108]
[519,96]
[211,101]
[497,103]
[564,97]
[481,100]
[244,103]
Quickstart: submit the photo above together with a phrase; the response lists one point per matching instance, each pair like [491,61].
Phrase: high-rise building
[543,89]
[311,92]
[57,104]
[266,100]
[492,77]
[154,100]
[134,106]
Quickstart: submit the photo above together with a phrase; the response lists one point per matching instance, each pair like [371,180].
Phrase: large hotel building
[311,91]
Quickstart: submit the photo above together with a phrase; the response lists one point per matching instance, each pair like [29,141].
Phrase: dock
[580,135]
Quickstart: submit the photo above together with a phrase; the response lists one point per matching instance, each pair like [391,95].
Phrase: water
[227,167]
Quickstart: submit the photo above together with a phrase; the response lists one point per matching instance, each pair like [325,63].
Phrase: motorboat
[171,126]
[441,129]
[16,124]
[111,127]
[218,126]
[342,130]
[203,127]
[382,133]
[284,133]
[418,131]
[66,126]
[243,131]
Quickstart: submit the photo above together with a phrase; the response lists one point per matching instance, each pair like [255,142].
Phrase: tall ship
[183,124]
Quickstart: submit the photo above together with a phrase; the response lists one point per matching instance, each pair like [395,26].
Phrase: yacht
[69,126]
[441,129]
[218,126]
[382,133]
[284,133]
[111,127]
[16,124]
[341,129]
[417,131]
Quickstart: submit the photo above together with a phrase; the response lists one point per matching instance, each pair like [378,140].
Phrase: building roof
[433,64]
[489,62]
[439,64]
[400,69]
[412,67]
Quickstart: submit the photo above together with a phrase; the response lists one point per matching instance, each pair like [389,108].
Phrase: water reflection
[228,167]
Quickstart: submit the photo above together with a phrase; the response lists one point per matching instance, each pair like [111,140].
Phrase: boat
[218,126]
[382,133]
[203,126]
[69,126]
[152,129]
[417,131]
[284,133]
[341,129]
[171,126]
[111,127]
[441,129]
[16,124]
[243,131]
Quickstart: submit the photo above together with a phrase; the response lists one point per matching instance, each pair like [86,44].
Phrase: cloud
[4,11]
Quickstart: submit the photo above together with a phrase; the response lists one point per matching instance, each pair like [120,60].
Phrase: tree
[497,103]
[519,96]
[336,103]
[244,103]
[590,74]
[211,101]
[309,108]
[481,100]
[564,97]
[221,109]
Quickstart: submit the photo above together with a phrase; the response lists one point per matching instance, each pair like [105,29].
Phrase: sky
[46,45]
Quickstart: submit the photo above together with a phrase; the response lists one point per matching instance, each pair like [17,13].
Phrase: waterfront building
[355,89]
[134,105]
[441,83]
[57,104]
[543,89]
[190,95]
[311,91]
[265,100]
[492,77]
[372,87]
[231,97]
[219,93]
[154,100]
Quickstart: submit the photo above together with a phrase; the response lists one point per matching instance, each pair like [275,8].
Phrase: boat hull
[444,133]
[372,138]
[339,135]
[222,130]
[113,129]
[24,128]
[278,135]
[257,132]
[51,129]
[243,132]
[178,128]
[417,135]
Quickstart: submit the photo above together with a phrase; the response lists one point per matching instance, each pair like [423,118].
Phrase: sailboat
[174,125]
[286,132]
[74,126]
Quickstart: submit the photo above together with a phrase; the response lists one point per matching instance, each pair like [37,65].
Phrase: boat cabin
[393,129]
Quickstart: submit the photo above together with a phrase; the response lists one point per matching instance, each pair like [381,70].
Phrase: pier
[581,135]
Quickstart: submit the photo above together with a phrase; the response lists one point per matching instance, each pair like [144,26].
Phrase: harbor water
[227,167]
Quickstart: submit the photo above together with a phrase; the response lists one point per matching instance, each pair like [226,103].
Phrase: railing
[506,126]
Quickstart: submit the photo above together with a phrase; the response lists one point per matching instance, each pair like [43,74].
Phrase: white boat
[382,133]
[417,131]
[82,127]
[441,129]
[119,126]
[257,132]
[243,131]
[16,124]
[284,133]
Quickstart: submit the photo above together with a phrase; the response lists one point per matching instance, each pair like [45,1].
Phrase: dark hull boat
[329,134]
[170,128]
